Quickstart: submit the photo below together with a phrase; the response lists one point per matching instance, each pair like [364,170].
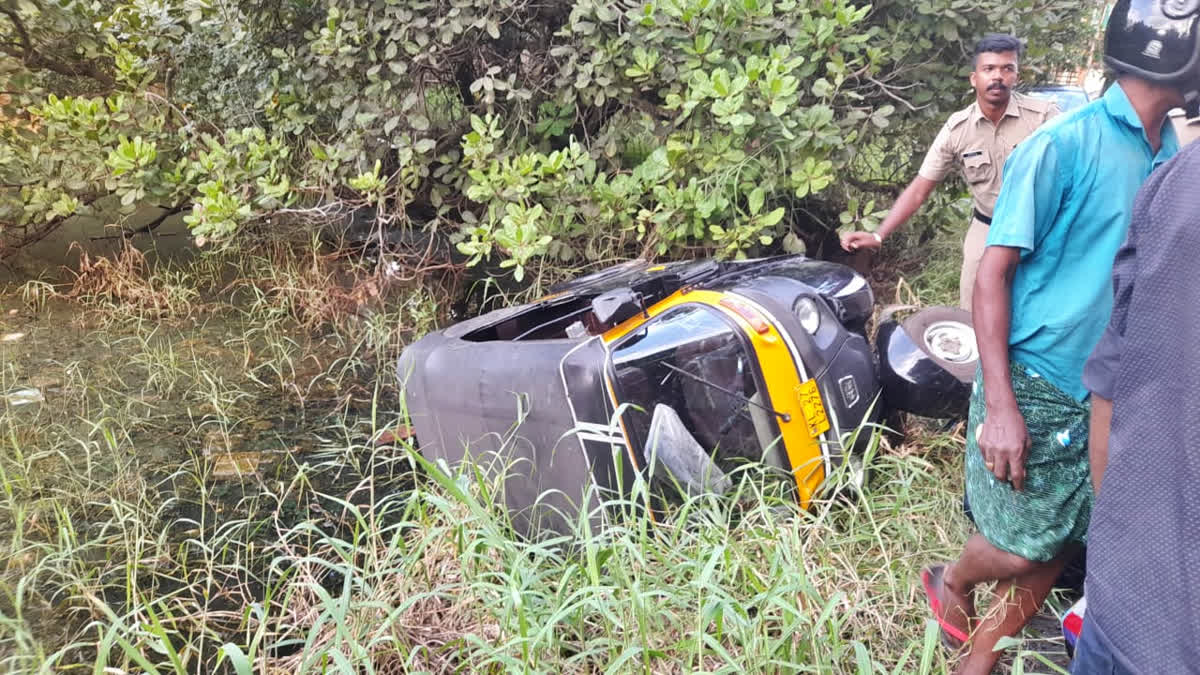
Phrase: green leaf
[793,244]
[756,199]
[863,659]
[720,82]
[655,167]
[241,663]
[772,219]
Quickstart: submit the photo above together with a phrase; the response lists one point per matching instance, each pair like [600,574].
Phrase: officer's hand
[1004,443]
[857,241]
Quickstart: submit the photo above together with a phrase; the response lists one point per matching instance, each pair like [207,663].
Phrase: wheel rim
[952,342]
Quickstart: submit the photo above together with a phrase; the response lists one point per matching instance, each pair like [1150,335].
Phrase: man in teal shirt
[1066,215]
[1042,300]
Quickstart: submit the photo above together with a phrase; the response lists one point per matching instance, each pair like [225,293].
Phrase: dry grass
[123,280]
[332,289]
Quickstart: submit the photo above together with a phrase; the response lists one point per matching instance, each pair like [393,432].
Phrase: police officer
[976,140]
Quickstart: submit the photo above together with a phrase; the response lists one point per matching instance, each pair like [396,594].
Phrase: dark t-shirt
[1143,583]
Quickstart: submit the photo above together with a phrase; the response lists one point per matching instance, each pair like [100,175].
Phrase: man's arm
[1003,438]
[1030,197]
[1098,432]
[1100,371]
[906,205]
[938,162]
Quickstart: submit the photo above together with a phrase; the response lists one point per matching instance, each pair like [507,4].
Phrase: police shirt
[979,148]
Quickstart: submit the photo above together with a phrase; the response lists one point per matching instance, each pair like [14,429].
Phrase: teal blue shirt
[1065,201]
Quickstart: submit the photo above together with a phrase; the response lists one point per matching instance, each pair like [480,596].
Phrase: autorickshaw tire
[947,336]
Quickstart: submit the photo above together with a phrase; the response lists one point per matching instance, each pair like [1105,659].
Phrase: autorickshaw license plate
[812,408]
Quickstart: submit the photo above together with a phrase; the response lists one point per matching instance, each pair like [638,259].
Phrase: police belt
[986,220]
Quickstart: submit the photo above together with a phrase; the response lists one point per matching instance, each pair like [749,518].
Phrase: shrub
[532,133]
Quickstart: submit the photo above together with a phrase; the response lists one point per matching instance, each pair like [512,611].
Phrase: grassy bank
[203,476]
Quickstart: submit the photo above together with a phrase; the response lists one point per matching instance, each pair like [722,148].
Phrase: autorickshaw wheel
[946,335]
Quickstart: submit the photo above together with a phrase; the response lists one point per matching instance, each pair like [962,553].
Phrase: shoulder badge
[958,118]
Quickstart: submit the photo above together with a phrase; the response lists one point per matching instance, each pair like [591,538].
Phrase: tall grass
[926,262]
[131,545]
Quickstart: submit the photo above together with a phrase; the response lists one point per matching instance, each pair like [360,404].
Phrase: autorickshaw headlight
[810,317]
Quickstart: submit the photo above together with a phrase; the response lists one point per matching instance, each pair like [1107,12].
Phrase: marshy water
[160,422]
[208,392]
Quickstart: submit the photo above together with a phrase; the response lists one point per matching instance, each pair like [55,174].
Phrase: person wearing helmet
[976,140]
[1042,299]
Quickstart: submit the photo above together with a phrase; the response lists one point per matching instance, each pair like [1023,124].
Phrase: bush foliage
[530,132]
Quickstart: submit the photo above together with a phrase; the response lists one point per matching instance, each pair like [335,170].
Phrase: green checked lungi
[1055,507]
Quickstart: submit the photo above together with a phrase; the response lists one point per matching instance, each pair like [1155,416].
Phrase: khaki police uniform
[978,148]
[1188,130]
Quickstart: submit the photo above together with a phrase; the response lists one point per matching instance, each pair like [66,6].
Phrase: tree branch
[148,227]
[25,52]
[875,186]
[888,91]
[35,233]
[11,12]
[71,69]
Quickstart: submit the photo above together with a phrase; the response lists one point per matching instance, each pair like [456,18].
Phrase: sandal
[953,637]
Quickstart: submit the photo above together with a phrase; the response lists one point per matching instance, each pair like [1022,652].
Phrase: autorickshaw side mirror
[616,306]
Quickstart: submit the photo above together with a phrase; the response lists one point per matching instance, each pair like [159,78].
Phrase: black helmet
[1156,40]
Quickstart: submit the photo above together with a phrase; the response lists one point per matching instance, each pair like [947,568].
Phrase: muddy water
[186,423]
[210,392]
[58,254]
